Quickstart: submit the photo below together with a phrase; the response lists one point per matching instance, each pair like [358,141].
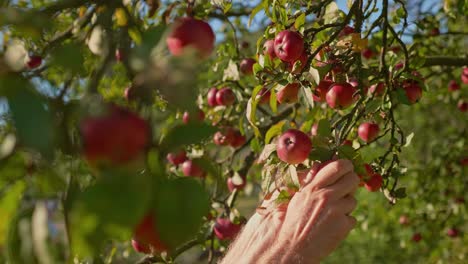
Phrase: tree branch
[445,61]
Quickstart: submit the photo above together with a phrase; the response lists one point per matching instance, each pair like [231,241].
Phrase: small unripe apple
[34,62]
[374,183]
[404,220]
[187,117]
[452,232]
[191,32]
[190,168]
[314,130]
[416,237]
[264,95]
[303,59]
[293,146]
[146,237]
[225,97]
[453,86]
[377,89]
[224,229]
[236,182]
[464,75]
[340,95]
[211,97]
[368,53]
[269,48]
[238,139]
[116,137]
[368,131]
[320,92]
[246,66]
[288,45]
[288,94]
[413,91]
[462,105]
[176,158]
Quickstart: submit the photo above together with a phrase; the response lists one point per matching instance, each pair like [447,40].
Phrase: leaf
[320,154]
[293,174]
[257,9]
[408,140]
[120,17]
[400,193]
[231,72]
[251,110]
[300,20]
[9,204]
[180,207]
[187,134]
[266,152]
[324,128]
[274,131]
[308,96]
[68,56]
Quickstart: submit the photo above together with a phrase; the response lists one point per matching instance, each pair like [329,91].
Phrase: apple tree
[148,131]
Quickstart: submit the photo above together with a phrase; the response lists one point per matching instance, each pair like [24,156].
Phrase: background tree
[147,131]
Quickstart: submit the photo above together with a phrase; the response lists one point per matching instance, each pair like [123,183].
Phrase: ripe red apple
[224,137]
[464,161]
[225,97]
[399,66]
[320,92]
[246,66]
[264,95]
[347,142]
[314,130]
[288,94]
[374,183]
[434,32]
[224,229]
[377,89]
[453,86]
[211,97]
[288,45]
[340,95]
[269,48]
[416,237]
[146,237]
[368,131]
[413,91]
[404,220]
[117,137]
[293,146]
[236,182]
[191,32]
[34,62]
[367,176]
[119,54]
[190,168]
[346,31]
[462,105]
[238,139]
[176,158]
[452,232]
[464,75]
[303,59]
[368,53]
[186,118]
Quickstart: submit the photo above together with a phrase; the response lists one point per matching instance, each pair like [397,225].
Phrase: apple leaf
[266,152]
[187,134]
[274,131]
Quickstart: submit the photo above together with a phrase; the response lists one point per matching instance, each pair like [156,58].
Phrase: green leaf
[274,131]
[300,20]
[9,204]
[408,140]
[68,56]
[187,134]
[324,128]
[321,154]
[257,9]
[180,207]
[400,193]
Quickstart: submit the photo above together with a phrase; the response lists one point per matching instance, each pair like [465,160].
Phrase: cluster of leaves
[59,206]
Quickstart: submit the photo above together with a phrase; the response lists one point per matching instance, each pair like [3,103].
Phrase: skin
[308,228]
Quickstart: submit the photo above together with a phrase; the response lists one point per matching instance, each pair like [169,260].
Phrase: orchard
[148,131]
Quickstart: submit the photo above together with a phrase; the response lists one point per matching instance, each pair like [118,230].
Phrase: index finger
[330,174]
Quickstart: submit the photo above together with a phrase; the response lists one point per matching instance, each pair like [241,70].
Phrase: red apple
[34,62]
[368,131]
[452,232]
[225,97]
[368,53]
[211,97]
[303,59]
[238,140]
[377,89]
[264,95]
[191,32]
[288,45]
[176,158]
[320,92]
[314,130]
[404,220]
[340,95]
[367,176]
[246,66]
[413,91]
[117,137]
[462,105]
[347,142]
[269,48]
[119,54]
[224,229]
[399,66]
[293,146]
[464,75]
[146,236]
[374,183]
[236,182]
[224,137]
[346,31]
[416,237]
[453,86]
[190,168]
[288,94]
[186,118]
[434,32]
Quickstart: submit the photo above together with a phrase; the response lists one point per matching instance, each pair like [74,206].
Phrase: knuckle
[325,195]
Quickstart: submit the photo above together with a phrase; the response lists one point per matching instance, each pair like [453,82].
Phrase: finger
[346,205]
[345,185]
[352,222]
[330,174]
